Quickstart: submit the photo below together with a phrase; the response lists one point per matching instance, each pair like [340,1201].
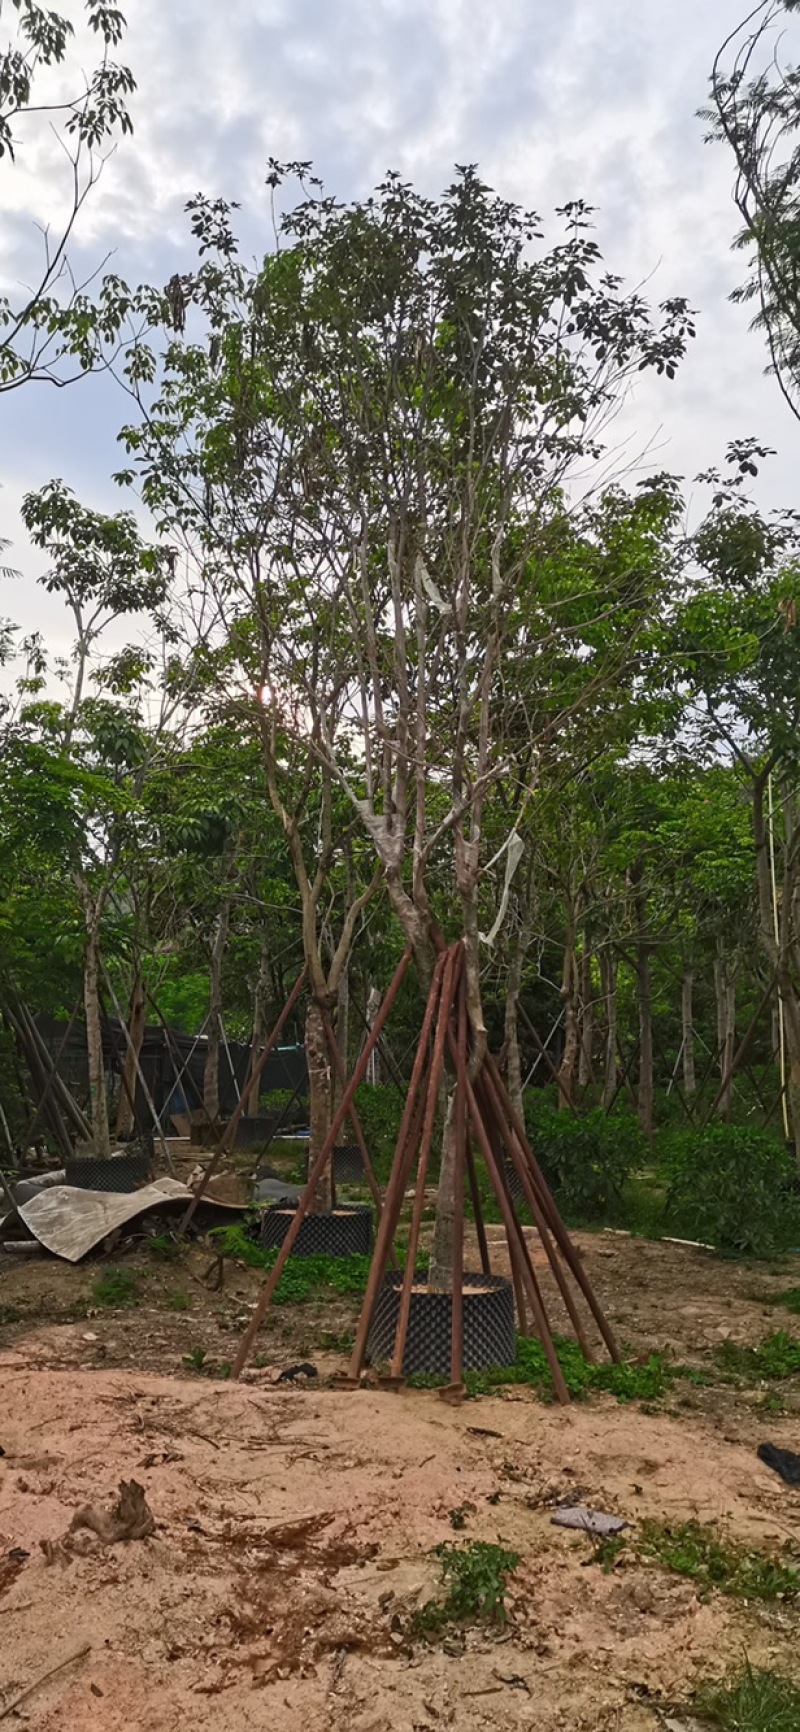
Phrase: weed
[178,1302]
[302,1276]
[790,1300]
[333,1343]
[117,1287]
[776,1358]
[627,1382]
[695,1550]
[458,1516]
[771,1404]
[164,1246]
[196,1359]
[754,1702]
[607,1550]
[475,1576]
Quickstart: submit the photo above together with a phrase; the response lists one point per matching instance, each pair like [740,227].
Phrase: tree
[756,112]
[81,764]
[55,330]
[737,646]
[367,452]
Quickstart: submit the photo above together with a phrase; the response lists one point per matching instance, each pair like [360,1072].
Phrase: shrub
[586,1161]
[475,1576]
[276,1101]
[730,1185]
[380,1110]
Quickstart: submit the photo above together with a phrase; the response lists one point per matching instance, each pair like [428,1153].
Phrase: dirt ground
[295,1522]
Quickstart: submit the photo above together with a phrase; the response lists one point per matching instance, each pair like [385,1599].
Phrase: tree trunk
[319,1100]
[725,989]
[342,1035]
[569,1051]
[516,963]
[257,1039]
[440,1263]
[126,1118]
[687,1024]
[214,1025]
[608,977]
[645,1093]
[98,1104]
[373,1006]
[585,1071]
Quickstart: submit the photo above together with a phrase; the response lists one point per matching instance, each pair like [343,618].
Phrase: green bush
[276,1100]
[586,1161]
[730,1185]
[380,1110]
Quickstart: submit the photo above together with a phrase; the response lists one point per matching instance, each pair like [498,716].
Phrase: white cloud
[553,100]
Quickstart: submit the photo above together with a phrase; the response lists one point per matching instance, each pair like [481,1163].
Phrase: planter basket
[489,1337]
[347,1232]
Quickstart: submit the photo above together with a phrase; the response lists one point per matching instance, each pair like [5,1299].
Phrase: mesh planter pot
[348,1165]
[123,1172]
[489,1337]
[346,1232]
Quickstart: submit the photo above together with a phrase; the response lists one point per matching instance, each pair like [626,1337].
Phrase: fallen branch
[79,1654]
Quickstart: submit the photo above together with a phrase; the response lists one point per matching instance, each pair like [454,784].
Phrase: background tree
[58,329]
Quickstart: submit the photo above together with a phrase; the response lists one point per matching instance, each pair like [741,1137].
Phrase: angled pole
[401,1166]
[317,1170]
[229,1133]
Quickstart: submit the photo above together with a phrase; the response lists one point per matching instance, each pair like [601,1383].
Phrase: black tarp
[160,1055]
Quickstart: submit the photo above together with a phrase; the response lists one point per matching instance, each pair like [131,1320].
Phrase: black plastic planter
[489,1337]
[348,1165]
[347,1232]
[126,1172]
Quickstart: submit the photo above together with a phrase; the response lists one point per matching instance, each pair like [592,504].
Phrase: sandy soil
[295,1524]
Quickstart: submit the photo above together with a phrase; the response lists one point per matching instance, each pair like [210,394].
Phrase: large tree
[366,453]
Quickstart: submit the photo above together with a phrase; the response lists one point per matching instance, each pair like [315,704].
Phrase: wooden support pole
[460,1137]
[226,1140]
[445,1005]
[416,1101]
[151,1106]
[317,1170]
[514,1231]
[552,1216]
[535,1204]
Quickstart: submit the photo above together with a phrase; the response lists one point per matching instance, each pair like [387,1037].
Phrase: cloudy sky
[555,99]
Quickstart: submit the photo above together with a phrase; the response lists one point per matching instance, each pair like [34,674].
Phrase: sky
[592,99]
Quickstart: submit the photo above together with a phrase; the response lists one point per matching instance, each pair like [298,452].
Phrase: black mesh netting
[345,1233]
[489,1337]
[348,1165]
[126,1172]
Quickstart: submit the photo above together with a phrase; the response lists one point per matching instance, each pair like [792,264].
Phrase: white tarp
[70,1222]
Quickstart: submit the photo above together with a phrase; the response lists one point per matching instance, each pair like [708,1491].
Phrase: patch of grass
[178,1302]
[790,1300]
[627,1382]
[303,1276]
[116,1288]
[756,1701]
[165,1247]
[330,1342]
[476,1578]
[695,1550]
[776,1358]
[196,1359]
